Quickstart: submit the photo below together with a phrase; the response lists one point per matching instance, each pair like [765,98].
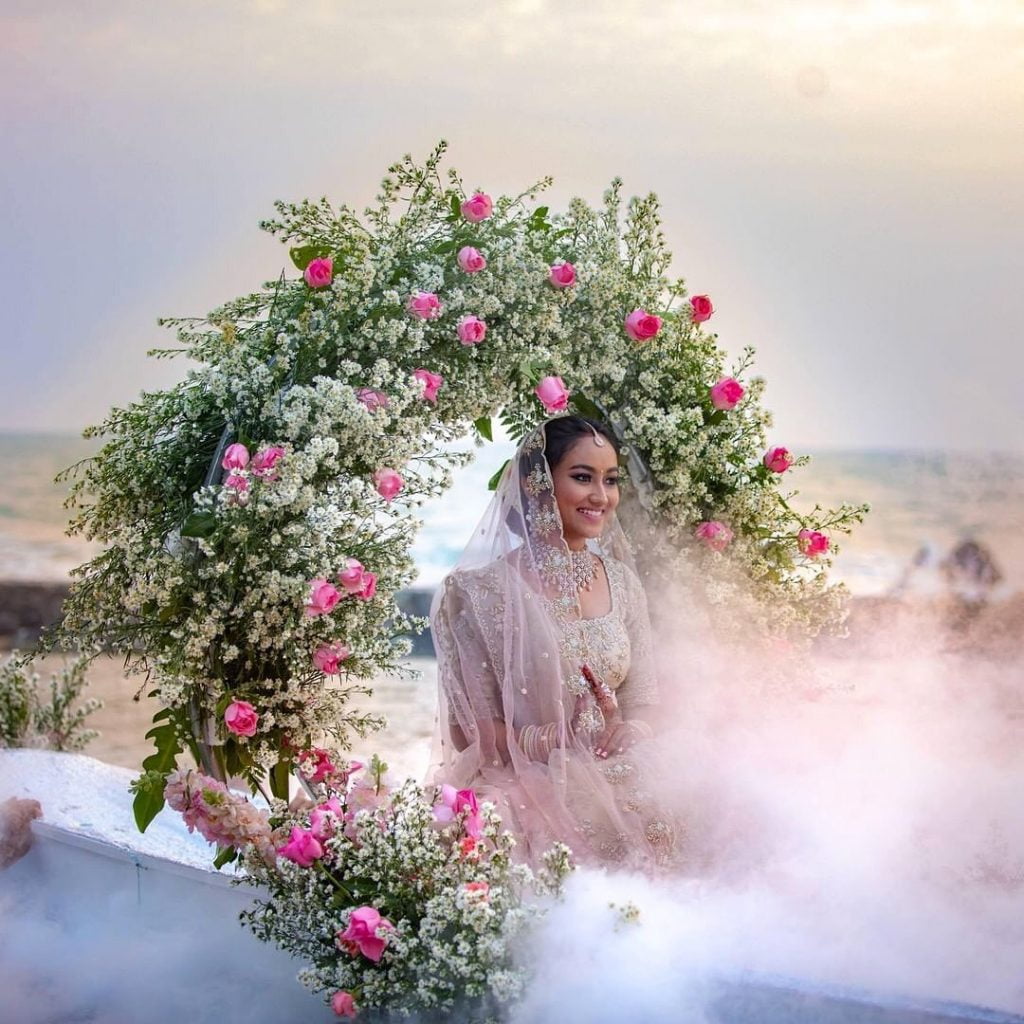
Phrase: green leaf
[199,524]
[279,775]
[168,747]
[226,856]
[446,247]
[148,803]
[585,407]
[303,255]
[456,205]
[492,484]
[483,427]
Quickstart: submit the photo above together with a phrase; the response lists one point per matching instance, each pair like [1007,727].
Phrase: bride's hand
[616,738]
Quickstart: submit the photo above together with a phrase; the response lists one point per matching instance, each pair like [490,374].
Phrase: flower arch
[257,517]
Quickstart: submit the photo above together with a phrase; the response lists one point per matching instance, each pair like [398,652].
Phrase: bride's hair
[562,432]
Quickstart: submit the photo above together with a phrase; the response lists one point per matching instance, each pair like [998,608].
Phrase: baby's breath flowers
[403,900]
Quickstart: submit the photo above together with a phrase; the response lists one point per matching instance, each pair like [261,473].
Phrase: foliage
[31,716]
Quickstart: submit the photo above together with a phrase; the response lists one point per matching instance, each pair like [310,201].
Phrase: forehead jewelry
[598,439]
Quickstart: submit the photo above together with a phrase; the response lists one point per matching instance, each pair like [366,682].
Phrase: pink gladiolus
[641,325]
[471,260]
[431,383]
[361,934]
[553,394]
[562,275]
[303,848]
[328,658]
[241,718]
[265,461]
[778,459]
[236,456]
[424,305]
[351,577]
[343,1004]
[478,207]
[388,482]
[714,534]
[727,393]
[471,330]
[700,309]
[373,400]
[319,272]
[323,596]
[812,543]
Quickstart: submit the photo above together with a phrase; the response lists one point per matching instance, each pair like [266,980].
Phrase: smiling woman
[545,664]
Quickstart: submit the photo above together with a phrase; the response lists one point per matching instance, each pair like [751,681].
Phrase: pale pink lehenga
[511,645]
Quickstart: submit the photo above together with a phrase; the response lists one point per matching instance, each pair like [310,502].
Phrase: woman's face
[586,489]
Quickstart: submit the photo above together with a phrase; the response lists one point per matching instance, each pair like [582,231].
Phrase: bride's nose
[599,494]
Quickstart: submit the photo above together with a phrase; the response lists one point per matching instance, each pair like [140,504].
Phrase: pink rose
[361,934]
[424,305]
[778,459]
[431,384]
[700,309]
[241,718]
[238,484]
[641,325]
[264,462]
[812,543]
[726,394]
[477,890]
[329,658]
[236,456]
[351,577]
[369,587]
[471,330]
[553,394]
[388,482]
[343,1004]
[323,596]
[562,275]
[471,260]
[477,208]
[319,272]
[303,847]
[714,534]
[373,400]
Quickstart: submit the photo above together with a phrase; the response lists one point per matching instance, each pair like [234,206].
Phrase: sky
[843,179]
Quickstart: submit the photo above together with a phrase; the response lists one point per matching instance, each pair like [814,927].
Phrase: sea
[919,500]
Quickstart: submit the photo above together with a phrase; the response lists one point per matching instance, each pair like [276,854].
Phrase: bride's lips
[591,513]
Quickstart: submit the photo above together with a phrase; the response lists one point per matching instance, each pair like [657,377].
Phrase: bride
[548,696]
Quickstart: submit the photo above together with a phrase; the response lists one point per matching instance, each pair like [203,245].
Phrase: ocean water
[935,498]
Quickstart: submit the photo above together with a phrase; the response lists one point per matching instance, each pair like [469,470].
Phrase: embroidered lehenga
[527,685]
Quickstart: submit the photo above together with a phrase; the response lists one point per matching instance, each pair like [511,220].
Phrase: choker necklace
[582,568]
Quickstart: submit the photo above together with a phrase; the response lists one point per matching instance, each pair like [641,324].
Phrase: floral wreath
[257,518]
